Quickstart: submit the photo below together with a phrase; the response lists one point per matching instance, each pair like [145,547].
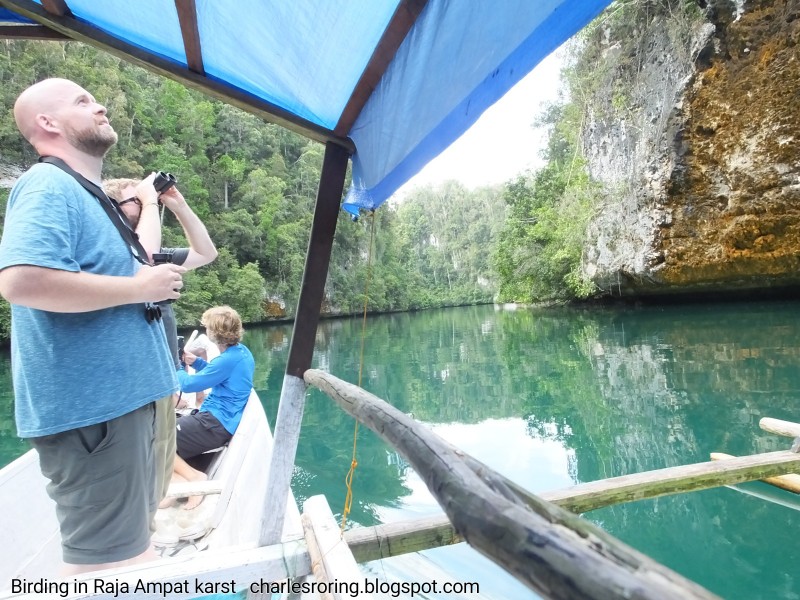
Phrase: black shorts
[199,433]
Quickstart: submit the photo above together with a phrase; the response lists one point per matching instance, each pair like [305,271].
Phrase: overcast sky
[502,142]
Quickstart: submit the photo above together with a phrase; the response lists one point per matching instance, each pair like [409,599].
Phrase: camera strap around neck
[151,311]
[113,211]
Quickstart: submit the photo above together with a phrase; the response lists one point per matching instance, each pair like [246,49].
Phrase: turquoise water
[552,398]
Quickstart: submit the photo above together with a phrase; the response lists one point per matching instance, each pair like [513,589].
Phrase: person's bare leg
[69,569]
[169,501]
[183,469]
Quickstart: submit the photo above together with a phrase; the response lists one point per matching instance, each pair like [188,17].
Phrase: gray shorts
[102,479]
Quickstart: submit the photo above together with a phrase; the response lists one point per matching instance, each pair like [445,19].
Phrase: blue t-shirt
[230,377]
[76,369]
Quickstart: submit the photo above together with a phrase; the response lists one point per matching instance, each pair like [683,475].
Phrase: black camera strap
[114,212]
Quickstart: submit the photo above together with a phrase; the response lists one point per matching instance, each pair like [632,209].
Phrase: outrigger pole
[304,333]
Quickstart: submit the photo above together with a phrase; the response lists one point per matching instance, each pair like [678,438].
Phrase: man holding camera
[139,202]
[79,302]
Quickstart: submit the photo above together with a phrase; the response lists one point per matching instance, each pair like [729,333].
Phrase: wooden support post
[304,333]
[553,551]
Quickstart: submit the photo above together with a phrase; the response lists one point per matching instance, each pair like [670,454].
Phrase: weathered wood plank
[789,482]
[651,484]
[182,489]
[404,537]
[315,555]
[551,550]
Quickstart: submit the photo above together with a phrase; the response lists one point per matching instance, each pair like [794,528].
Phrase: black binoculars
[164,181]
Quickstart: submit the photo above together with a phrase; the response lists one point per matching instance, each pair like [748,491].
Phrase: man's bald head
[45,98]
[58,113]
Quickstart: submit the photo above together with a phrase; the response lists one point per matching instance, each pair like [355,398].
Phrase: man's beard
[92,140]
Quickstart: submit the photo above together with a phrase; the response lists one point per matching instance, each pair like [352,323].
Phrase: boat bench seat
[182,489]
[212,460]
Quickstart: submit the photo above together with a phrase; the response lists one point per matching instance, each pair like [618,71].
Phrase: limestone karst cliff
[694,131]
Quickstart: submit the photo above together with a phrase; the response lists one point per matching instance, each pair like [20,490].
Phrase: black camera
[162,258]
[181,345]
[164,181]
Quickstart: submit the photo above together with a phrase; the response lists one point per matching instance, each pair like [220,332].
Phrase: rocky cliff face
[700,155]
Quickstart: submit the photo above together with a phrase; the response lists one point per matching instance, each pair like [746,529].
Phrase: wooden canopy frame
[56,22]
[56,16]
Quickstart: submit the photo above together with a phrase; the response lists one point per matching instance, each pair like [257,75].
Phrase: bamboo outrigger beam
[551,550]
[414,535]
[789,482]
[785,428]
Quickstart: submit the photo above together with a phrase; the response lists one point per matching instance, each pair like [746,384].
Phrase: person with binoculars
[139,201]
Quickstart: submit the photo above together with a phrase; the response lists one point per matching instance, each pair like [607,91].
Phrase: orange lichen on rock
[735,200]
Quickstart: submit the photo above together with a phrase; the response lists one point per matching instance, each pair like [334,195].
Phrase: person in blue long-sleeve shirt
[230,377]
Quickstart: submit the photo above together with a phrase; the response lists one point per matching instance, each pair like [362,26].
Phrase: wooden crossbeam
[400,24]
[789,482]
[187,16]
[30,32]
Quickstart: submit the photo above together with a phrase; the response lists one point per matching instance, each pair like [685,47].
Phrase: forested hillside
[254,185]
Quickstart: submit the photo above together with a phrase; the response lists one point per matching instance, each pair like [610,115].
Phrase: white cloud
[503,142]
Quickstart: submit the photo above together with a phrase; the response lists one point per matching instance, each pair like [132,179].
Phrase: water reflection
[554,397]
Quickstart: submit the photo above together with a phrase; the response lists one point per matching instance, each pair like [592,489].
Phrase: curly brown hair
[223,324]
[113,187]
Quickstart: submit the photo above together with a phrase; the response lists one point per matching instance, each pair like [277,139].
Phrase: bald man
[77,298]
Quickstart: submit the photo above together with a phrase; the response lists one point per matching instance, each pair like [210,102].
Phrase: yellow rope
[348,501]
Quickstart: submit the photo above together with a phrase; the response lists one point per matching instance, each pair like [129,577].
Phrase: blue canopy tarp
[305,59]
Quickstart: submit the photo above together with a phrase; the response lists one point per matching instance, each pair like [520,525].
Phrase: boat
[388,84]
